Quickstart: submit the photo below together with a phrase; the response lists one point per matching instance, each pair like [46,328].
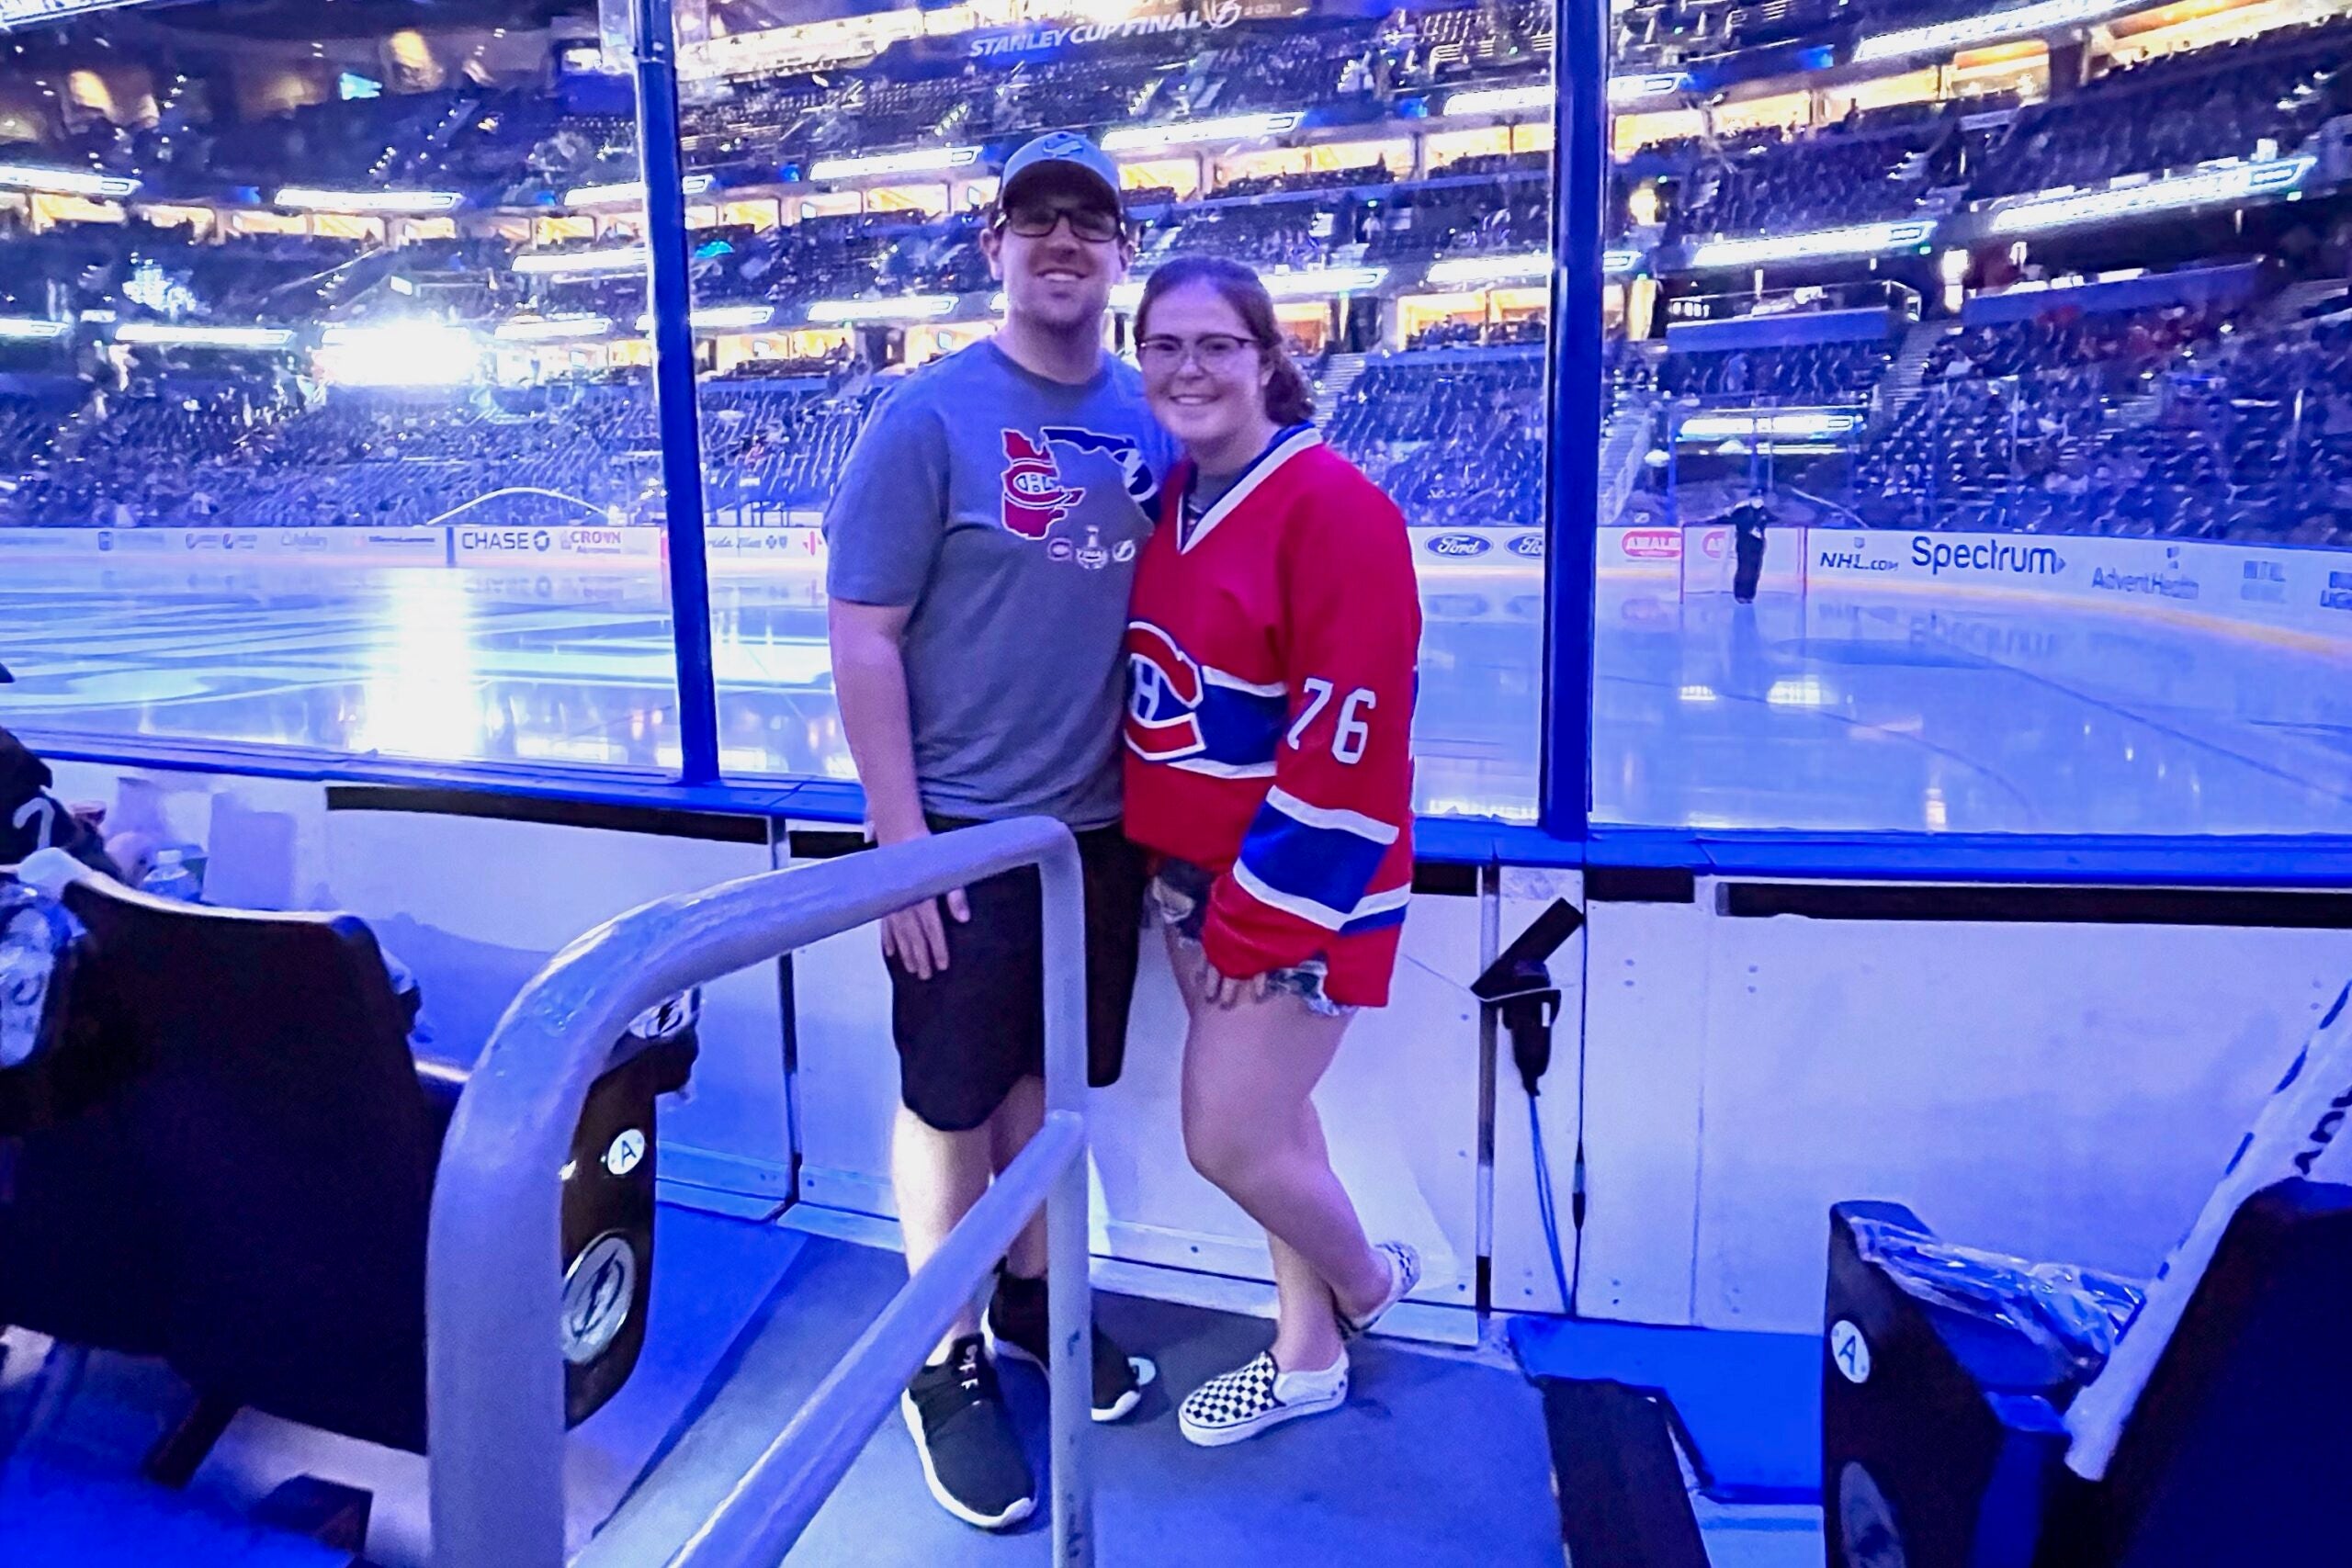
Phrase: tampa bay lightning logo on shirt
[1038,494]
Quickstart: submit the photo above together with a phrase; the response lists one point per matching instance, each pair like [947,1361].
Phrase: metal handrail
[493,1369]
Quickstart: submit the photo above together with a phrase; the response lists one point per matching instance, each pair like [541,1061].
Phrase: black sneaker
[970,1459]
[1016,1326]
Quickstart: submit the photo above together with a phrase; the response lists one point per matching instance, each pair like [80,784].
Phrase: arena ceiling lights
[1622,90]
[163,335]
[65,182]
[400,354]
[1856,240]
[1986,27]
[1796,425]
[922,161]
[309,198]
[1191,133]
[909,308]
[1475,272]
[630,193]
[1501,100]
[1322,282]
[554,329]
[2236,182]
[576,264]
[29,329]
[1651,85]
[720,318]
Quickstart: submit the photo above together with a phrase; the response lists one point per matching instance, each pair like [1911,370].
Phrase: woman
[1270,772]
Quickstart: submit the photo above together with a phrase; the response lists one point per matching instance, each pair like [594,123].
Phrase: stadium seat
[216,1147]
[1943,1442]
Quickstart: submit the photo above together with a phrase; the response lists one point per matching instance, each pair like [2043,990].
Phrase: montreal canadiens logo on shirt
[1038,494]
[1164,691]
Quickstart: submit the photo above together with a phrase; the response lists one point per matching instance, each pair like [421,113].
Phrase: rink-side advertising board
[597,545]
[2303,591]
[1482,550]
[180,546]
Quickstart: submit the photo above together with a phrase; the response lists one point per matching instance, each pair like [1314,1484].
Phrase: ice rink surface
[1841,711]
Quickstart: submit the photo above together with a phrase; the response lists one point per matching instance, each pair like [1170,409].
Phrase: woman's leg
[1250,1128]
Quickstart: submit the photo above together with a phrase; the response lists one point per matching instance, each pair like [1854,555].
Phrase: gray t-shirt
[1008,509]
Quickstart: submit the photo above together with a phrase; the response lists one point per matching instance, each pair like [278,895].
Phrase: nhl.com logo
[1457,547]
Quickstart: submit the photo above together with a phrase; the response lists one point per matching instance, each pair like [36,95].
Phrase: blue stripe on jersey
[1317,873]
[1376,919]
[1240,729]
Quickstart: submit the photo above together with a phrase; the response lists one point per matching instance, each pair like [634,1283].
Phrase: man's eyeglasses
[1212,351]
[1036,219]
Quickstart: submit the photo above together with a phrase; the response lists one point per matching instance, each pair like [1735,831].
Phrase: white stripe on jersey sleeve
[1310,911]
[1332,817]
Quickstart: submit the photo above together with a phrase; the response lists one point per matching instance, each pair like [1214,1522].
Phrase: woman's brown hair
[1289,400]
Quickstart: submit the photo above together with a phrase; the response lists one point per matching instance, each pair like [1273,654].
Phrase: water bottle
[171,877]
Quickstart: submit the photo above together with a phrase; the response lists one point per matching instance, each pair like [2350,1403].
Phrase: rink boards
[2303,592]
[793,547]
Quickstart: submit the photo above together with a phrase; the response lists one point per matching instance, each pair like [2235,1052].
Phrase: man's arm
[870,684]
[882,532]
[870,681]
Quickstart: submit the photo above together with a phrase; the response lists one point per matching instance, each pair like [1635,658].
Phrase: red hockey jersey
[1270,676]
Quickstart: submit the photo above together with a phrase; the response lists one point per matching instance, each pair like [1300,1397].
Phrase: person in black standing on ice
[1749,520]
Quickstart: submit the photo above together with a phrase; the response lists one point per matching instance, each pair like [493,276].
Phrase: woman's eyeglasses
[1036,219]
[1211,350]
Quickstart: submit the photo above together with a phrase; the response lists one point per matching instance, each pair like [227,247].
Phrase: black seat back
[2236,1450]
[220,1150]
[250,1200]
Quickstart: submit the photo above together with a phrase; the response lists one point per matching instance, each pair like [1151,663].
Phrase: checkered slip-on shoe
[1258,1397]
[1404,1273]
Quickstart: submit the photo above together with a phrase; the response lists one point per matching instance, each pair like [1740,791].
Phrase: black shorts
[966,1035]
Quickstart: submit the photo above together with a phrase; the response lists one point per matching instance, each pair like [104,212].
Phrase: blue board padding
[1749,1403]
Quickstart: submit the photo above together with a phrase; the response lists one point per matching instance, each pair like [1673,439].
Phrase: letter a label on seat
[1850,1352]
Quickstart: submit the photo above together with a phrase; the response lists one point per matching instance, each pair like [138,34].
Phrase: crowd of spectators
[1453,441]
[2187,421]
[2276,88]
[1845,173]
[220,455]
[142,271]
[1816,373]
[1504,333]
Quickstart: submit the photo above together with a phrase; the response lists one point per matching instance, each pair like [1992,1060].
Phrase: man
[982,542]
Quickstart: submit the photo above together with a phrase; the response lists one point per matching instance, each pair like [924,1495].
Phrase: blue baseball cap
[1067,151]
